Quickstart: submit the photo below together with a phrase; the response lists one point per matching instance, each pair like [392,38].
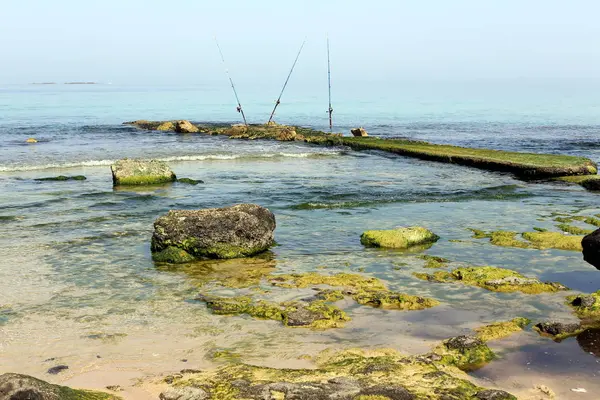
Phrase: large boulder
[591,248]
[141,172]
[23,387]
[232,232]
[185,127]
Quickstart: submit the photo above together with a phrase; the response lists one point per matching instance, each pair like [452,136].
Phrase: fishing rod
[286,82]
[239,105]
[330,110]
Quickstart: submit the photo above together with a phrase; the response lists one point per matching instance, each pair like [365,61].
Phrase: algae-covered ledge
[526,165]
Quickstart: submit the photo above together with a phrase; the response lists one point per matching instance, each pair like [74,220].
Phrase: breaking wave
[200,157]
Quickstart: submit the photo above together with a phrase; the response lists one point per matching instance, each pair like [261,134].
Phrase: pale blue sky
[151,41]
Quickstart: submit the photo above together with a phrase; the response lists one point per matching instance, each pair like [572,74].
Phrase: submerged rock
[468,353]
[591,248]
[63,178]
[189,181]
[23,387]
[532,240]
[359,132]
[141,172]
[58,369]
[401,238]
[494,279]
[232,232]
[184,126]
[500,330]
[315,314]
[589,341]
[352,374]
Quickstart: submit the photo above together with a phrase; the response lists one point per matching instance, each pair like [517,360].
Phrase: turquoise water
[77,280]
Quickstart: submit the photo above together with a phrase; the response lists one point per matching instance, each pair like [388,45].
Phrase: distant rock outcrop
[184,126]
[359,132]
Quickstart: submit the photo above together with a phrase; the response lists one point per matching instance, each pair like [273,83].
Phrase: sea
[78,286]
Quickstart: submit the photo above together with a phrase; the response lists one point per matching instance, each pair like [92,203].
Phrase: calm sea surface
[77,283]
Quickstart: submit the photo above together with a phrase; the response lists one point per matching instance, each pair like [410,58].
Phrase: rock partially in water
[232,232]
[499,330]
[586,306]
[494,279]
[359,132]
[185,126]
[31,140]
[189,181]
[141,172]
[63,178]
[401,238]
[558,330]
[286,135]
[591,248]
[23,387]
[351,374]
[166,126]
[468,353]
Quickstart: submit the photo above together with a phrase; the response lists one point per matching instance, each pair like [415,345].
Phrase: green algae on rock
[352,374]
[17,386]
[173,255]
[586,306]
[532,240]
[500,330]
[434,261]
[364,290]
[467,353]
[494,279]
[141,172]
[231,232]
[62,178]
[589,182]
[315,314]
[401,238]
[166,126]
[189,181]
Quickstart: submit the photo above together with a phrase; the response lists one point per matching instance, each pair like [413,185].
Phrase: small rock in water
[115,388]
[494,395]
[189,181]
[58,369]
[50,359]
[31,140]
[185,127]
[579,390]
[359,132]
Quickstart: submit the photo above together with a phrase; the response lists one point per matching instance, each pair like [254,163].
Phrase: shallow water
[77,283]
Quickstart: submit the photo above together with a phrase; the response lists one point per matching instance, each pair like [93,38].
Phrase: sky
[172,42]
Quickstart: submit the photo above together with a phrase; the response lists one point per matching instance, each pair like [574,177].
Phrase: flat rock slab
[141,172]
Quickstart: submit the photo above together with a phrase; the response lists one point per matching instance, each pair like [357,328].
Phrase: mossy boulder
[23,387]
[434,261]
[401,238]
[591,248]
[494,279]
[231,232]
[141,172]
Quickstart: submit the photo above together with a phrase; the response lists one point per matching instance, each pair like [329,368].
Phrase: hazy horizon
[158,43]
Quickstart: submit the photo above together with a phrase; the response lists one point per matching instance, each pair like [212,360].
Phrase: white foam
[199,157]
